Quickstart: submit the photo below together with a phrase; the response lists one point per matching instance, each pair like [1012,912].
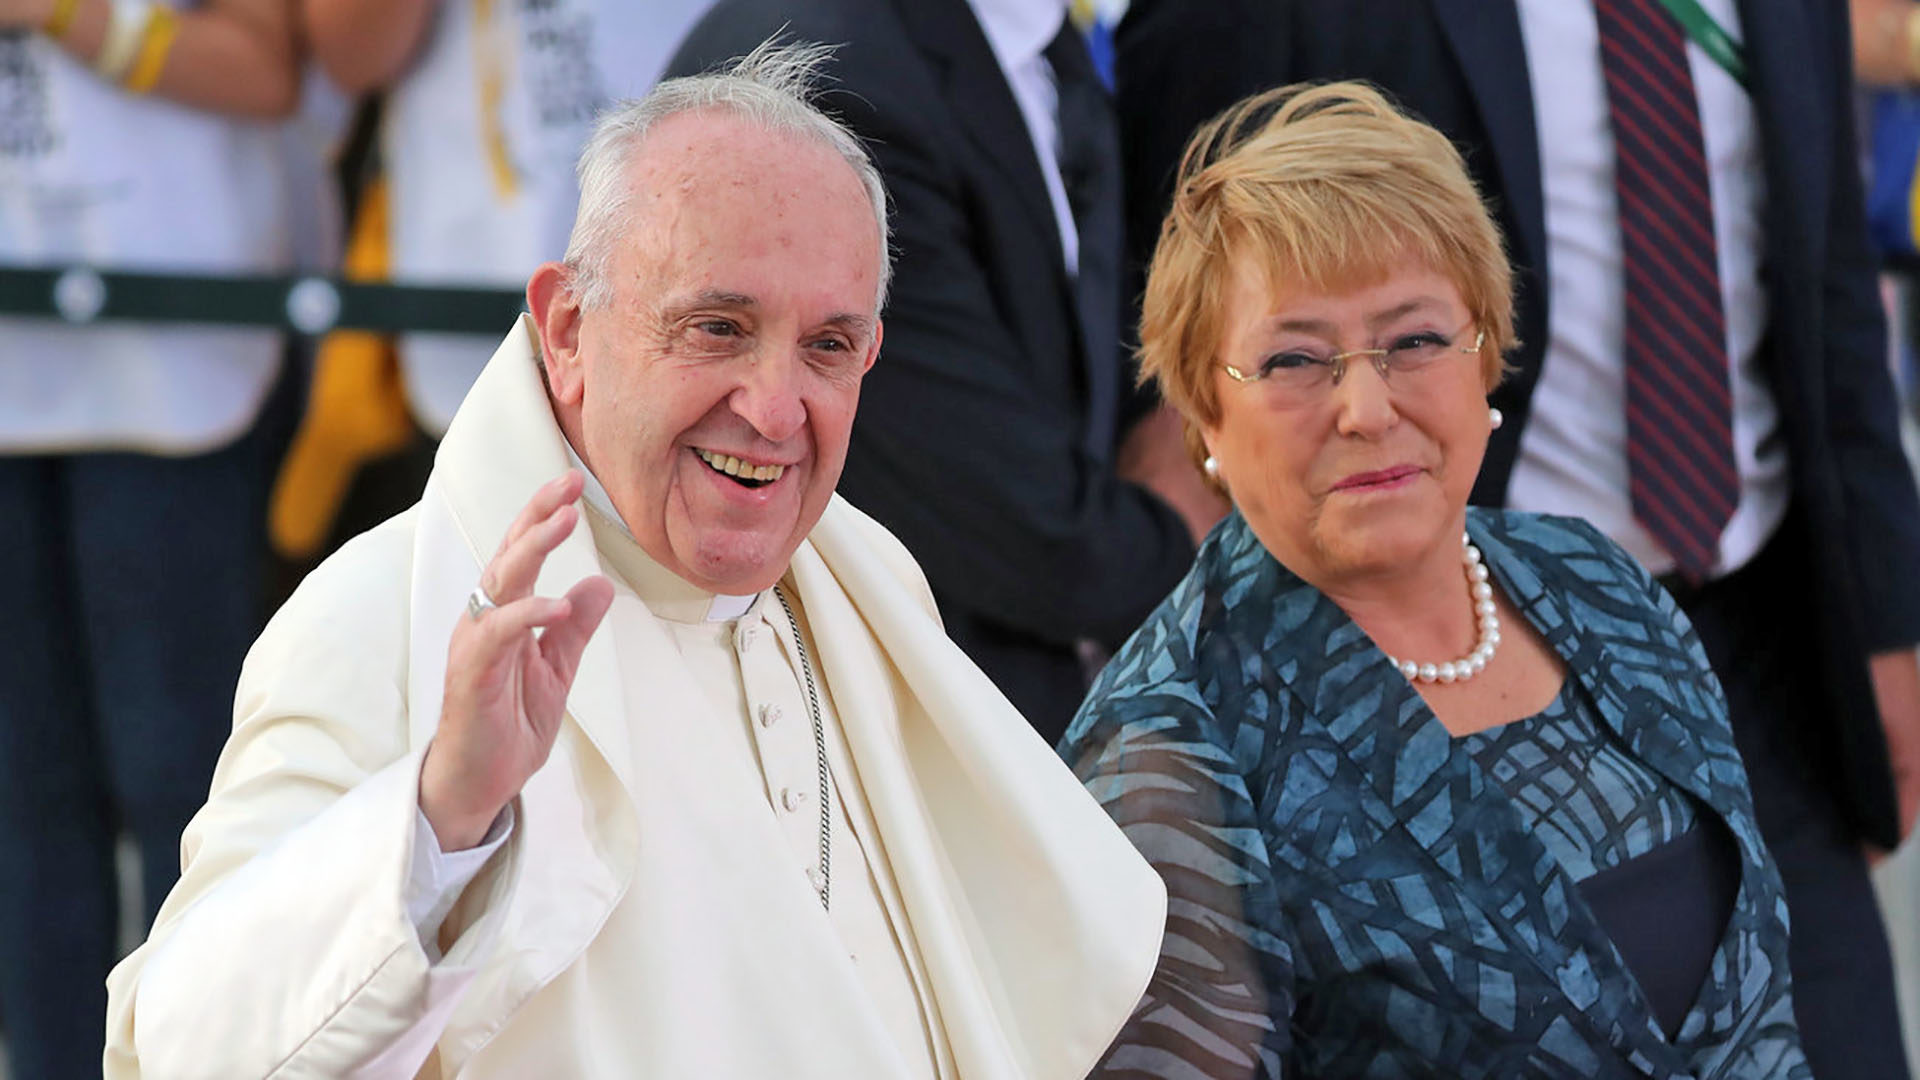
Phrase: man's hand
[1154,455]
[506,685]
[1896,688]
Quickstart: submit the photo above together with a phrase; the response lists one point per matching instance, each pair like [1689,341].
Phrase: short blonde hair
[1326,187]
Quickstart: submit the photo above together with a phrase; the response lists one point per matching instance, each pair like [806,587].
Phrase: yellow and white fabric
[92,174]
[480,139]
[644,917]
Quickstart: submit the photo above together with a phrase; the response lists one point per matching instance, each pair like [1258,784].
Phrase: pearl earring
[1211,467]
[1496,418]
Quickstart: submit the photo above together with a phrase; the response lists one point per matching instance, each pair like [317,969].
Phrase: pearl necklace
[1489,618]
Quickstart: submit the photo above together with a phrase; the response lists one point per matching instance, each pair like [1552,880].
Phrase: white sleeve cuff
[435,878]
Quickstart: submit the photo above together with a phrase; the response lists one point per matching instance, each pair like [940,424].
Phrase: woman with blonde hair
[1435,790]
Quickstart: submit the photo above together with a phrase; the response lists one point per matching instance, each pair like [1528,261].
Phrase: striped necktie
[1682,474]
[1089,160]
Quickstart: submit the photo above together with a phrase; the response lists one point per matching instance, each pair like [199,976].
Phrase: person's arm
[365,45]
[287,942]
[1877,483]
[1220,1004]
[1154,455]
[236,57]
[303,956]
[295,909]
[1886,34]
[1896,691]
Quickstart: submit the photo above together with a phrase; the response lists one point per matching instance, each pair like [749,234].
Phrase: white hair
[772,86]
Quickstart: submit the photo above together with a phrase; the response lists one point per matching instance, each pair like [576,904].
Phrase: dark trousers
[130,589]
[1753,624]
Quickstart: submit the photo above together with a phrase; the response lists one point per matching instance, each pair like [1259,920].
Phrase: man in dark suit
[988,432]
[1656,190]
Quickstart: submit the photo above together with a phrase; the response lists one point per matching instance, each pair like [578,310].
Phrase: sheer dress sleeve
[1220,1002]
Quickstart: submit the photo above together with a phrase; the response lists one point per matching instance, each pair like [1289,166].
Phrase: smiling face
[714,395]
[1368,477]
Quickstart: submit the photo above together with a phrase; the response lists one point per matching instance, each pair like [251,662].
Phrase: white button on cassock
[792,798]
[769,715]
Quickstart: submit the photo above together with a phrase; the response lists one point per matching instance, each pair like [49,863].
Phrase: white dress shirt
[1019,32]
[1573,453]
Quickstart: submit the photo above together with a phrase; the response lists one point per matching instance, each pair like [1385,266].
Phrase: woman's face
[1367,475]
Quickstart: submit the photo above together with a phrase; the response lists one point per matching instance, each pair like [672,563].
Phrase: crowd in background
[162,487]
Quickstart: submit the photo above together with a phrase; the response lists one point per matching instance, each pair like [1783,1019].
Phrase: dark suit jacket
[971,441]
[1351,895]
[1461,65]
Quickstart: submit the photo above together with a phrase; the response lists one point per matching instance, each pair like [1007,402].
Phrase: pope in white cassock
[631,751]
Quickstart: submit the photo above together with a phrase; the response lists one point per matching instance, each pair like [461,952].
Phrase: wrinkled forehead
[708,183]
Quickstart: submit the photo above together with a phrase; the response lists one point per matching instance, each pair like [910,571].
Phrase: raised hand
[507,685]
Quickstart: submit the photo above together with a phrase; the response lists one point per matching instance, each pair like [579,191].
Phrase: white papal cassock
[649,913]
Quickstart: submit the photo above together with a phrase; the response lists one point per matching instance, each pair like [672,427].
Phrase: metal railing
[308,305]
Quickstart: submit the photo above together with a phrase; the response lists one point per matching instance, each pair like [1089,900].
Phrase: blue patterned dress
[1590,802]
[1351,895]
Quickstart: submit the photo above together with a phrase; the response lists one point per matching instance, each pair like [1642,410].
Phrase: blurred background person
[990,434]
[1702,370]
[1434,791]
[478,110]
[133,468]
[1886,41]
[1886,51]
[1886,59]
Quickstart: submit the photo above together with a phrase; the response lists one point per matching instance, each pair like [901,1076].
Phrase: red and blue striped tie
[1683,477]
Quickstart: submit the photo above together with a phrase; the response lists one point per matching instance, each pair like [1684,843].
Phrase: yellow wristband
[156,41]
[61,19]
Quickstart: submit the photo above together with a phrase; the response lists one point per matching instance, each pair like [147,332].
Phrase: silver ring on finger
[479,603]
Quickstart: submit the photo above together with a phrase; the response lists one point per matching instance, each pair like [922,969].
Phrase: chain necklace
[825,885]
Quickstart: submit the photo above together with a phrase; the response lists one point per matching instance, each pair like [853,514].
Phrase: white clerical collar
[669,595]
[1018,30]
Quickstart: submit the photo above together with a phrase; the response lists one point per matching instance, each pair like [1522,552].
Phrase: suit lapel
[1486,42]
[1787,99]
[981,103]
